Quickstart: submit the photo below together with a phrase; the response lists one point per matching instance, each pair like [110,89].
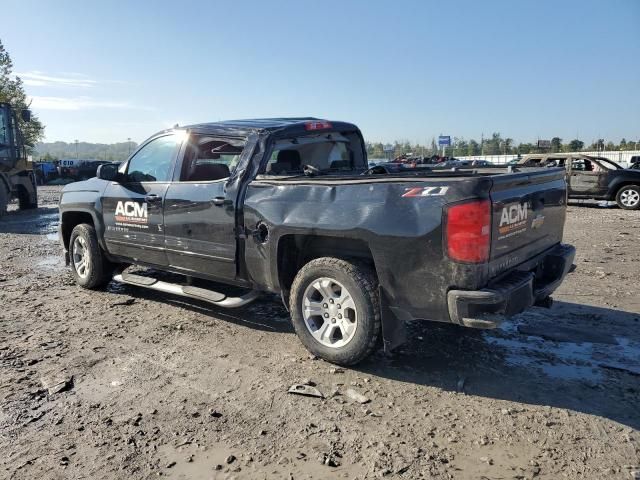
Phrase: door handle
[218,201]
[152,197]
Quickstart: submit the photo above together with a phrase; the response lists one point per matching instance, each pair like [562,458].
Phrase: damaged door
[585,178]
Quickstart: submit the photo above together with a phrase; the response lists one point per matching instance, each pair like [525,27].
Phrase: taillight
[317,125]
[468,231]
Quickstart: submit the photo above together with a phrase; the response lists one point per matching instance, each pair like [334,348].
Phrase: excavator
[17,179]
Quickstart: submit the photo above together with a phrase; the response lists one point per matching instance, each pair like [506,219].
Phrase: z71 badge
[425,192]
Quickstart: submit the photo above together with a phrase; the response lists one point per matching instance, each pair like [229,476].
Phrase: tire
[96,270]
[24,200]
[345,341]
[4,198]
[628,197]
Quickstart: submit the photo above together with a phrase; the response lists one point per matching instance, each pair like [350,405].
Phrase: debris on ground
[57,383]
[356,396]
[306,390]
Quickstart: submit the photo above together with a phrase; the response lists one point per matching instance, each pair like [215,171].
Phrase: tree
[575,145]
[460,147]
[473,148]
[598,145]
[12,92]
[556,144]
[492,146]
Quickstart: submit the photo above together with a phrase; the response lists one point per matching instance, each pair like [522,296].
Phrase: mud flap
[394,331]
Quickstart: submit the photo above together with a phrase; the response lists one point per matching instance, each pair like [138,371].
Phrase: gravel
[528,402]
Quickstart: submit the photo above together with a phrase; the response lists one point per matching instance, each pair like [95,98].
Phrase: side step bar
[217,298]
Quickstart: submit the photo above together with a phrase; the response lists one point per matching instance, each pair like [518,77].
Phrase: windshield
[608,164]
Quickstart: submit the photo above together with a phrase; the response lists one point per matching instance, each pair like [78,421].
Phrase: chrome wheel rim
[629,198]
[329,312]
[80,257]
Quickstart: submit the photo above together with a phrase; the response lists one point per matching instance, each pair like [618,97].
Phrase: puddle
[582,361]
[43,221]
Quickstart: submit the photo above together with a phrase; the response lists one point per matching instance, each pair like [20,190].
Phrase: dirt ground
[128,383]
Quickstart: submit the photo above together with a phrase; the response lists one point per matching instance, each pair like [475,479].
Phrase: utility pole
[129,143]
[76,142]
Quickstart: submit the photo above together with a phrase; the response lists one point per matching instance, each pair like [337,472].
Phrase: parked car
[593,177]
[290,206]
[481,163]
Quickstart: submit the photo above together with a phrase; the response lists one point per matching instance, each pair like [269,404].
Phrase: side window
[208,159]
[578,165]
[554,162]
[152,163]
[4,137]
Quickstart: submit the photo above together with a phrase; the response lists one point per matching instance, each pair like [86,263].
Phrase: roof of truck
[294,124]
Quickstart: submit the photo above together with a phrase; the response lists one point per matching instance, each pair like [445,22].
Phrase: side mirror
[26,115]
[108,171]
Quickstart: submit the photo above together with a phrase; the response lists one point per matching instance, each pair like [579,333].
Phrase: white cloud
[78,103]
[39,79]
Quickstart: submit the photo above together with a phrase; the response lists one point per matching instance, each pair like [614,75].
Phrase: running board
[211,296]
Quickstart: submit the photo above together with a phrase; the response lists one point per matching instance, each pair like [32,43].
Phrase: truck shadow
[572,356]
[576,357]
[266,313]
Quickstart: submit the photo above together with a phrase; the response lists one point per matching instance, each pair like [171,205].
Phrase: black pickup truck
[290,206]
[592,177]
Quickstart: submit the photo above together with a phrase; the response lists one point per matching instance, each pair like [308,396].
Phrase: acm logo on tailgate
[131,212]
[513,220]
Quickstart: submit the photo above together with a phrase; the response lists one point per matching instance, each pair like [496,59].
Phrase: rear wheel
[89,266]
[628,197]
[27,201]
[335,309]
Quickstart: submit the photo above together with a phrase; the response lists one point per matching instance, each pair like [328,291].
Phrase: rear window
[332,152]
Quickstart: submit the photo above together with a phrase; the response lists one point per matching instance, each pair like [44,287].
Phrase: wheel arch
[615,187]
[296,250]
[69,220]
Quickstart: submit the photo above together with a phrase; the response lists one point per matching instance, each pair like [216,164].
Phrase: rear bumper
[513,294]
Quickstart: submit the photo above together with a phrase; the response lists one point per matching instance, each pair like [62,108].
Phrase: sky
[401,70]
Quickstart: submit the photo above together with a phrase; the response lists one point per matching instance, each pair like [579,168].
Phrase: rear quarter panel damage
[404,234]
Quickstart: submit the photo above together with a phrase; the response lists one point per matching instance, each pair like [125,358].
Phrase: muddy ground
[128,384]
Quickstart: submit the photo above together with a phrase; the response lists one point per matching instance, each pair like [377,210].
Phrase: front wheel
[628,197]
[89,266]
[335,309]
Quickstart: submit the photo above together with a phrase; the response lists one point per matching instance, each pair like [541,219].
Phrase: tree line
[52,151]
[495,145]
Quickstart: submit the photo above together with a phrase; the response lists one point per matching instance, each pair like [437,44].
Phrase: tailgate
[528,215]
